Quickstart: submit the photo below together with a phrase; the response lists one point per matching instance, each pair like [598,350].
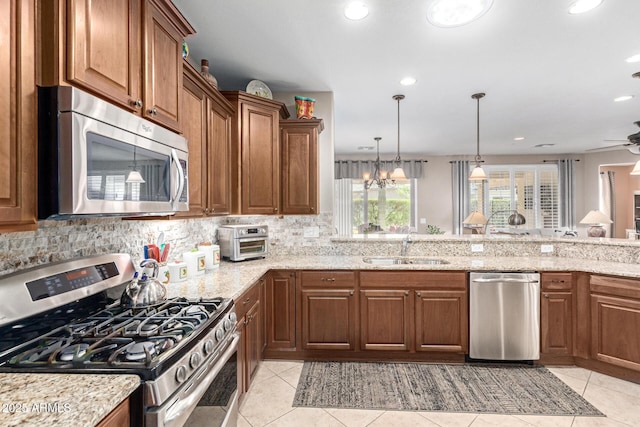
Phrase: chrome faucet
[405,244]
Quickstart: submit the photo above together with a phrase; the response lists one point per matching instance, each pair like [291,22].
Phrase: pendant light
[478,173]
[380,178]
[134,177]
[398,172]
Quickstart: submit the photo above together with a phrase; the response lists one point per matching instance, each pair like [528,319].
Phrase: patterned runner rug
[498,389]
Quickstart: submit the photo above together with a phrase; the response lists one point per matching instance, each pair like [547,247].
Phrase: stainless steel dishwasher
[504,316]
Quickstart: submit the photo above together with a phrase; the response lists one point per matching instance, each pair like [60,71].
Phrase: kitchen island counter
[61,399]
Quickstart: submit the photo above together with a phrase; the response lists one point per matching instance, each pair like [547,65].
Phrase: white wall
[323,109]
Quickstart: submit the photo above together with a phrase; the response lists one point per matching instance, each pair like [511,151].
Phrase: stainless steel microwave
[97,159]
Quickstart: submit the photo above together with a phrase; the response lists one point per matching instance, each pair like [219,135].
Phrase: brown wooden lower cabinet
[119,417]
[441,321]
[328,319]
[251,329]
[385,320]
[615,321]
[280,309]
[556,314]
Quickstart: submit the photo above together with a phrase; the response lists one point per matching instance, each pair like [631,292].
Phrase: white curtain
[567,190]
[343,206]
[608,200]
[460,184]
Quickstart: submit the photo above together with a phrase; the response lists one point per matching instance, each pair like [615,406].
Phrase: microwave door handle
[174,202]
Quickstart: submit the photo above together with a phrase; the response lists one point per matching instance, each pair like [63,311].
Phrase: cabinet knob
[275,209]
[206,211]
[245,302]
[312,209]
[546,295]
[557,281]
[153,111]
[350,293]
[137,103]
[213,210]
[406,293]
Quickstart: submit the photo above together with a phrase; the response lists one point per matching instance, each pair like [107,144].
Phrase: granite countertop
[232,279]
[83,400]
[61,399]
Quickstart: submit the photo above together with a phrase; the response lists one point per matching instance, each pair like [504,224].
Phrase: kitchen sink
[394,260]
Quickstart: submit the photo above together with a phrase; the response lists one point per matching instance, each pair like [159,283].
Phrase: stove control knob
[219,335]
[227,324]
[194,360]
[208,347]
[233,317]
[181,374]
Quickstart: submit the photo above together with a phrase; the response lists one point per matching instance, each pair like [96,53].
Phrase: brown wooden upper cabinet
[299,166]
[208,131]
[255,153]
[128,52]
[18,139]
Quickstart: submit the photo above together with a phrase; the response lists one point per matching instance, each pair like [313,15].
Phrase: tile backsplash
[62,240]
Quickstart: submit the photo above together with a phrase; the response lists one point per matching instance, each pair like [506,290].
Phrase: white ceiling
[549,76]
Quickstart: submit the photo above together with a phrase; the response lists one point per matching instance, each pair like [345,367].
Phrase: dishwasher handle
[503,280]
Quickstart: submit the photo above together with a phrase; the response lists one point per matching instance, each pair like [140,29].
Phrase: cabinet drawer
[615,286]
[247,300]
[556,281]
[328,278]
[414,279]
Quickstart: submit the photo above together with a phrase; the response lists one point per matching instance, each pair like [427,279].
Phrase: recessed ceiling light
[356,11]
[634,58]
[518,138]
[582,6]
[544,145]
[408,81]
[454,13]
[366,147]
[623,98]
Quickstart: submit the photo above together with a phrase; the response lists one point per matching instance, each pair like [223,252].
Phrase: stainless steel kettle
[144,291]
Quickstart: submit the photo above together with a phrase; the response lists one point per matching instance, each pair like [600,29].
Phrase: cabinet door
[280,309]
[442,321]
[385,320]
[556,326]
[243,379]
[328,319]
[615,323]
[162,69]
[253,331]
[18,161]
[299,147]
[103,54]
[260,160]
[119,417]
[219,145]
[194,106]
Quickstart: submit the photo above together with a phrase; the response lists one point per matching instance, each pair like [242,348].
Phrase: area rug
[495,388]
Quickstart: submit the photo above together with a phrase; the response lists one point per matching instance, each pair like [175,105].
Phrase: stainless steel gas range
[67,318]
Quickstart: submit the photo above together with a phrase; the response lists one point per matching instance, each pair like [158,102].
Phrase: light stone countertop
[61,399]
[91,397]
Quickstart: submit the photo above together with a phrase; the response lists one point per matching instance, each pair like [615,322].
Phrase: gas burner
[73,351]
[140,350]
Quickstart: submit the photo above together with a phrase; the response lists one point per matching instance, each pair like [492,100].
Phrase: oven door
[250,247]
[209,398]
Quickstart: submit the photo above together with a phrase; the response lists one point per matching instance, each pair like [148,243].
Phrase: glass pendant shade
[134,177]
[398,173]
[477,174]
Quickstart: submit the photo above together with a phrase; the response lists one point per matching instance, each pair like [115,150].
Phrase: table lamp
[595,219]
[475,219]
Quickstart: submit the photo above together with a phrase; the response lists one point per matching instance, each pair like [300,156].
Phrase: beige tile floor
[268,403]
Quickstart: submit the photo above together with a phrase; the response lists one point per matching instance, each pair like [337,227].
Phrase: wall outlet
[546,249]
[423,220]
[311,232]
[477,247]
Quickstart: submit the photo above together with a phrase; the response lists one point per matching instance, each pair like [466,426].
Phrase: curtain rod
[559,160]
[373,160]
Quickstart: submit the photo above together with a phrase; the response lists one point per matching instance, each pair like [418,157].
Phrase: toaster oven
[241,242]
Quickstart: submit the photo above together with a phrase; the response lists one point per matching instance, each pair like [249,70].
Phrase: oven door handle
[180,409]
[251,239]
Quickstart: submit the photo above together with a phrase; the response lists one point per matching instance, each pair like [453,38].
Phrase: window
[532,190]
[389,209]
